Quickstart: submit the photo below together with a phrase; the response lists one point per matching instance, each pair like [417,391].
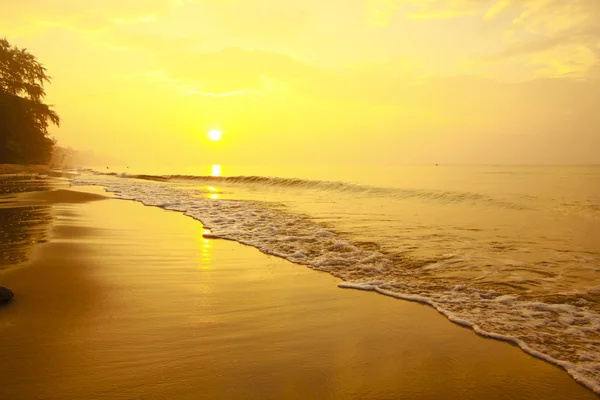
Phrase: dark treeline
[24,117]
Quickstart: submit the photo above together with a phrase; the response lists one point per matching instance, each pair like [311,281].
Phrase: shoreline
[254,301]
[564,365]
[582,375]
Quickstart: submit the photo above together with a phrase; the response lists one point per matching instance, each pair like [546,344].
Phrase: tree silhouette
[24,117]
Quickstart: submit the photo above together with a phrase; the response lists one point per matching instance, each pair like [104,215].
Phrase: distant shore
[117,300]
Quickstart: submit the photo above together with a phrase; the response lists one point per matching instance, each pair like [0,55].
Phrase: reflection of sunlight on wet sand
[205,268]
[216,170]
[206,256]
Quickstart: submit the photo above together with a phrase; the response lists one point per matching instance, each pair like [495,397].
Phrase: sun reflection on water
[216,170]
[214,195]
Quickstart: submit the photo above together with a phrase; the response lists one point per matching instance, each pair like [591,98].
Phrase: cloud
[193,39]
[549,18]
[36,15]
[573,61]
[382,11]
[226,94]
[497,9]
[545,38]
[260,19]
[379,12]
[232,69]
[197,85]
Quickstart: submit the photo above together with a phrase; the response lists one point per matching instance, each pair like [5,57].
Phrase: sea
[512,252]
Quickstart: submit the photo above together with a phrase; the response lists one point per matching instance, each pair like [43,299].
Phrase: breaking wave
[332,186]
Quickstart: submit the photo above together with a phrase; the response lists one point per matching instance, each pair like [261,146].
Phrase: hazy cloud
[25,15]
[382,10]
[406,71]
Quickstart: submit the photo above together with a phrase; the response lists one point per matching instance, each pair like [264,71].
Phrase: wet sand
[8,169]
[122,301]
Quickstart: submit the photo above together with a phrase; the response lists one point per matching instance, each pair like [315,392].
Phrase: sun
[215,134]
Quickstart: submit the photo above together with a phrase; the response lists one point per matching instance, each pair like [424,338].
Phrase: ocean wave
[438,196]
[563,331]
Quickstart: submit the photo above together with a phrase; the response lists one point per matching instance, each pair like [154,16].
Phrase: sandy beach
[115,300]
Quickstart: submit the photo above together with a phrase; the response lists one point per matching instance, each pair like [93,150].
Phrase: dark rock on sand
[5,295]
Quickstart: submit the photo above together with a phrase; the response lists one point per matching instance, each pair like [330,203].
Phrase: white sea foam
[567,335]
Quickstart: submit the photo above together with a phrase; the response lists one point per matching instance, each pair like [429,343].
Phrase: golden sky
[337,81]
